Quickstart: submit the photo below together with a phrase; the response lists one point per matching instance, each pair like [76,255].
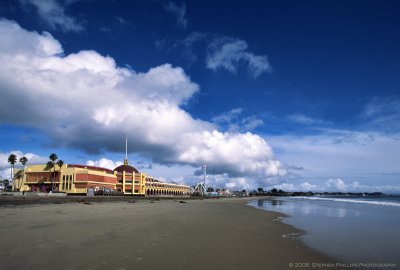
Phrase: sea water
[352,229]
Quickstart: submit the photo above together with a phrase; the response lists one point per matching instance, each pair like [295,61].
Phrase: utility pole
[204,174]
[205,178]
[126,151]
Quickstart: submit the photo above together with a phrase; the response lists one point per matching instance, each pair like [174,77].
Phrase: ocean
[352,229]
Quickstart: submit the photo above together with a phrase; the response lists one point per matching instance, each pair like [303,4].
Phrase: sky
[296,95]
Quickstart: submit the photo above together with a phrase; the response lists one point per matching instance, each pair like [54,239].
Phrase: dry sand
[164,234]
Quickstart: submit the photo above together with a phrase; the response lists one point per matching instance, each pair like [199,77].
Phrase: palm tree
[53,157]
[12,159]
[49,166]
[23,161]
[60,163]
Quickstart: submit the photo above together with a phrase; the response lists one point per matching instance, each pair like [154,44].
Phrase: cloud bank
[338,185]
[84,100]
[367,160]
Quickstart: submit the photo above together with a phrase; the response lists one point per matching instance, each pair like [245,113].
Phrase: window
[68,182]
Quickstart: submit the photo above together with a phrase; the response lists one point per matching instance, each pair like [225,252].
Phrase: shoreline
[152,234]
[369,223]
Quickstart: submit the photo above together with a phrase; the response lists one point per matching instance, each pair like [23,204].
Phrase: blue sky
[299,95]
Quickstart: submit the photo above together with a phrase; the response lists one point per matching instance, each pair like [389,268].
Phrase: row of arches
[161,192]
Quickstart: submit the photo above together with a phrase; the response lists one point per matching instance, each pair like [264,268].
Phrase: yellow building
[79,179]
[156,187]
[70,179]
[132,182]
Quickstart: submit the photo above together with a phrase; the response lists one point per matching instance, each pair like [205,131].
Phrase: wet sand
[164,234]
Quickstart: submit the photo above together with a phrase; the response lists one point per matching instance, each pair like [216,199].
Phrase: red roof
[126,168]
[95,168]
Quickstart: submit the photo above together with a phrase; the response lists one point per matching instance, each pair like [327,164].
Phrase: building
[132,182]
[83,179]
[70,179]
[156,187]
[78,179]
[129,180]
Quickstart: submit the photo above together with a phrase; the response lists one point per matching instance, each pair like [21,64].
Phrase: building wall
[155,187]
[131,183]
[68,179]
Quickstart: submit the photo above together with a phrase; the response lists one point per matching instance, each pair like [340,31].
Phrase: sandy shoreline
[165,234]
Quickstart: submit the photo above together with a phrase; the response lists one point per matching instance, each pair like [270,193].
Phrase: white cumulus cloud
[85,101]
[104,163]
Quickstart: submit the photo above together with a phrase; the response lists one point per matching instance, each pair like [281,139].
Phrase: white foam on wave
[291,235]
[387,203]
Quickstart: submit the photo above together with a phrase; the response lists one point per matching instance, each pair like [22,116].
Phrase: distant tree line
[276,192]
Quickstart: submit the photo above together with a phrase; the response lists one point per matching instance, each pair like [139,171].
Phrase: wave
[381,203]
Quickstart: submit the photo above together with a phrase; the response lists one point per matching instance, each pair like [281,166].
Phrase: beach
[150,234]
